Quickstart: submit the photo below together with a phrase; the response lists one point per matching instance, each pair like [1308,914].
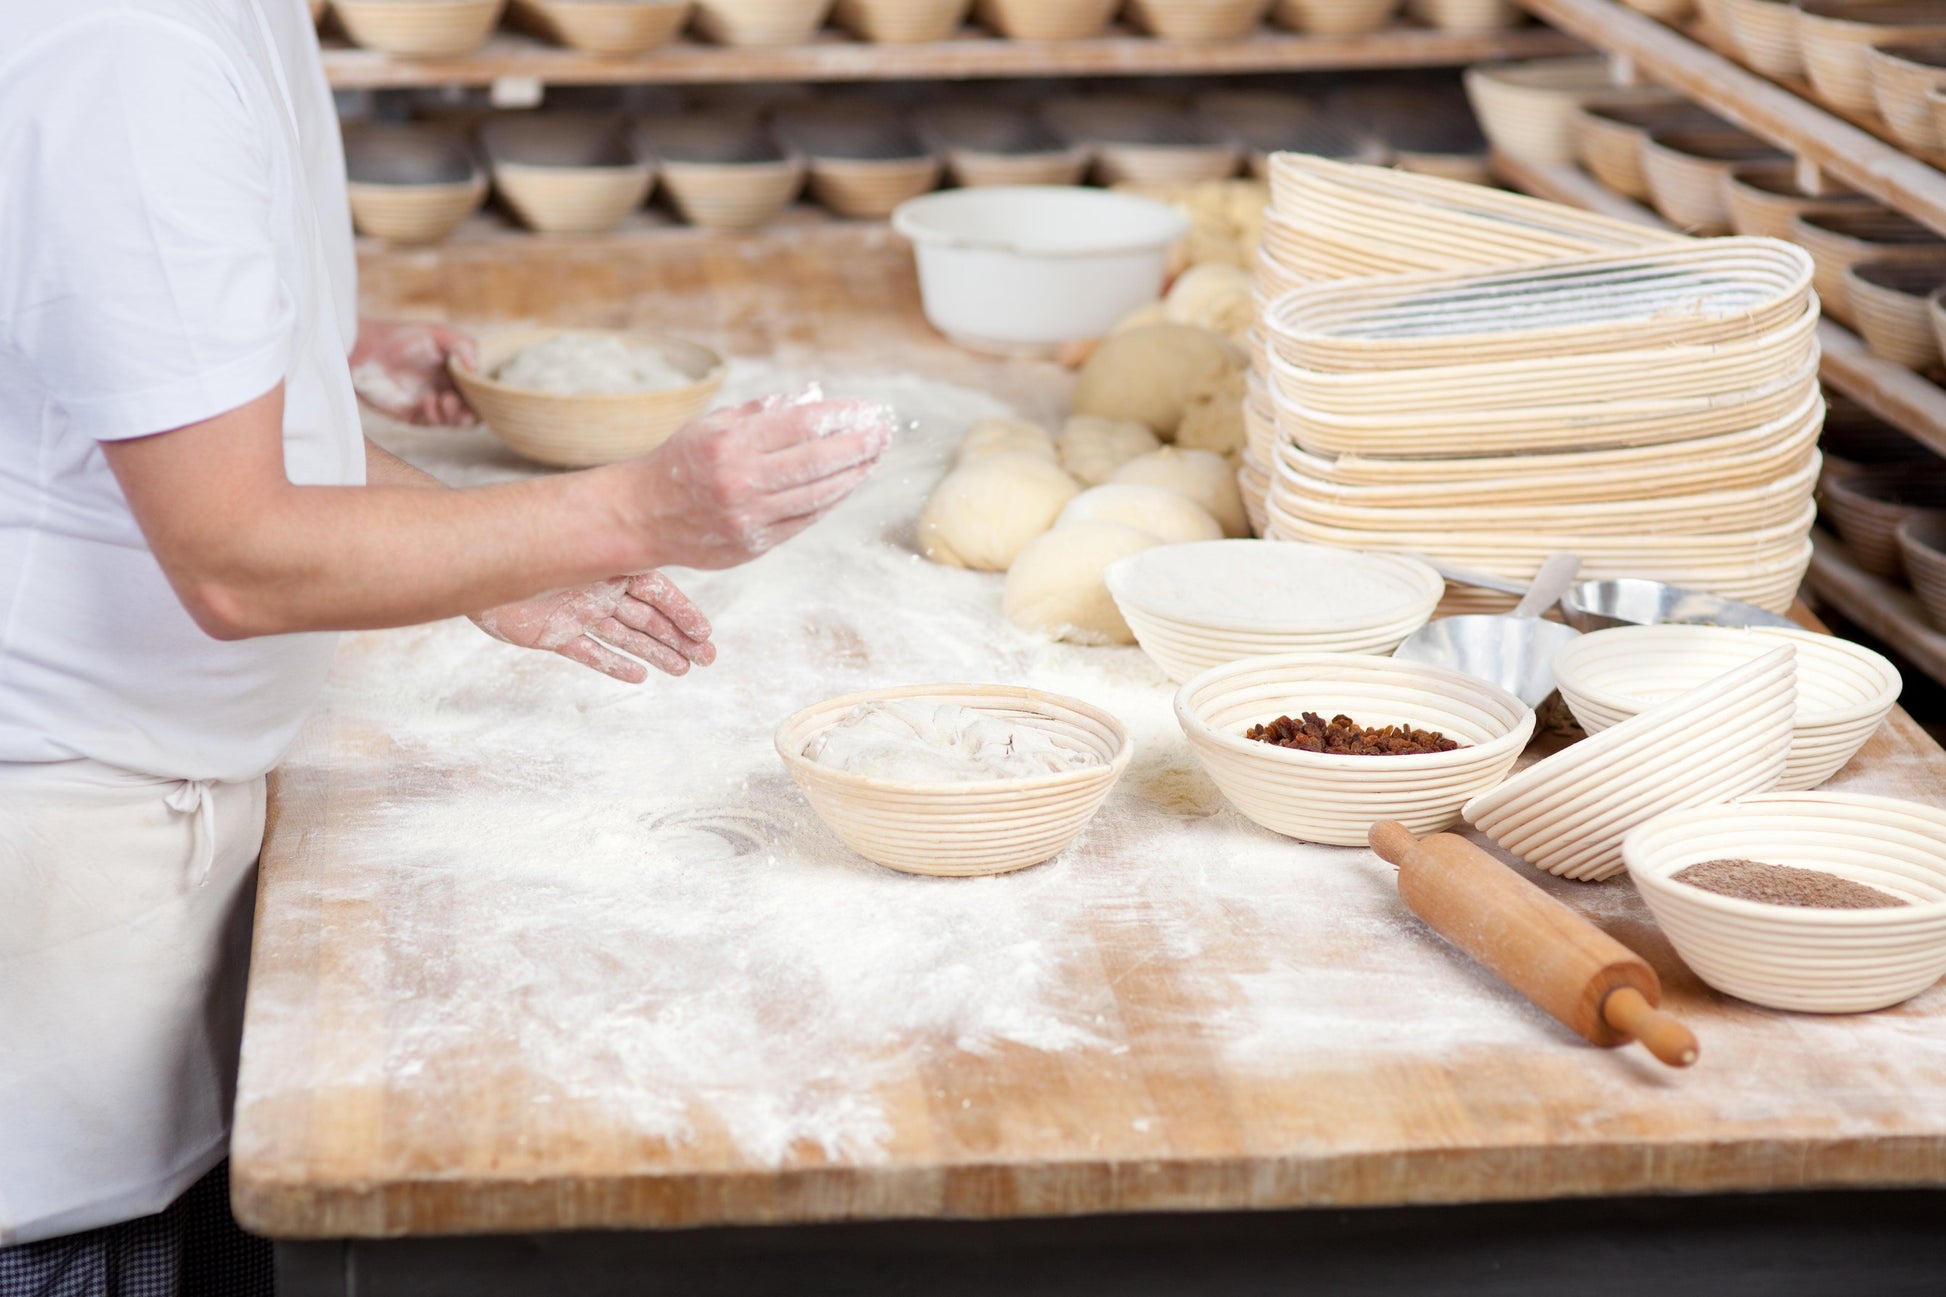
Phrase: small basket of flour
[955,779]
[579,397]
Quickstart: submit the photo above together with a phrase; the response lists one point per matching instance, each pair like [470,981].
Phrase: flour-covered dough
[1214,296]
[1092,448]
[582,364]
[1152,374]
[1056,584]
[1204,477]
[985,511]
[1214,422]
[1170,517]
[1005,436]
[940,743]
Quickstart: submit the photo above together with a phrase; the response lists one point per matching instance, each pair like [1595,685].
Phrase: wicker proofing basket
[1836,34]
[1528,110]
[411,184]
[1922,543]
[1764,33]
[1668,11]
[1839,240]
[1197,20]
[732,196]
[1804,959]
[901,22]
[761,23]
[580,431]
[1334,17]
[425,29]
[971,168]
[1866,507]
[1467,15]
[1763,199]
[1686,170]
[1046,20]
[1889,301]
[870,188]
[964,829]
[1901,76]
[1608,138]
[616,27]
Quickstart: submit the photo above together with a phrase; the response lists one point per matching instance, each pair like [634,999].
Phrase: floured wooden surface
[539,951]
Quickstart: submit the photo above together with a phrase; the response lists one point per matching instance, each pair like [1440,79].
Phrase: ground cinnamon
[1342,736]
[1753,880]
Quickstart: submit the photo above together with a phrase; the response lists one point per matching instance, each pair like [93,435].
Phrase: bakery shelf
[1893,393]
[1816,136]
[1876,606]
[512,56]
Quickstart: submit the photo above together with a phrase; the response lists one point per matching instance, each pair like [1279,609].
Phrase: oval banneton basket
[1800,958]
[963,829]
[580,431]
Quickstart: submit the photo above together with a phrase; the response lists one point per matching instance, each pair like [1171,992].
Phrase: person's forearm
[383,468]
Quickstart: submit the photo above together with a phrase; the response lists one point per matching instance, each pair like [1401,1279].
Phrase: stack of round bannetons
[1200,605]
[1655,411]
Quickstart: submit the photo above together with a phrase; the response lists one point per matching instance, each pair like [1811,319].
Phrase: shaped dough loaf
[1170,517]
[985,511]
[1056,585]
[1153,374]
[1092,448]
[1214,296]
[1204,477]
[1005,437]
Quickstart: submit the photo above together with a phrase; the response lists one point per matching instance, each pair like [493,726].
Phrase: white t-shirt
[174,242]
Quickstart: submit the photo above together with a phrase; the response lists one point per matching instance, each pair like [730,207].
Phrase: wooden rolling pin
[1593,983]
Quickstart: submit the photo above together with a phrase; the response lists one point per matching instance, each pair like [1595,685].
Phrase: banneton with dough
[582,364]
[925,742]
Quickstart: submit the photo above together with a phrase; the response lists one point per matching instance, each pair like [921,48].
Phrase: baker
[188,510]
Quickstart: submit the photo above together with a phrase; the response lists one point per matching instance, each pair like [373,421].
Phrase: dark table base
[1853,1244]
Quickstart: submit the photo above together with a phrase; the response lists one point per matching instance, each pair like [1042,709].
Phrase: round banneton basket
[1196,20]
[578,431]
[1046,20]
[1764,32]
[901,22]
[619,27]
[1844,690]
[426,29]
[1334,17]
[1802,958]
[1763,199]
[1528,109]
[1834,36]
[962,829]
[411,184]
[1726,739]
[757,23]
[1333,799]
[1686,170]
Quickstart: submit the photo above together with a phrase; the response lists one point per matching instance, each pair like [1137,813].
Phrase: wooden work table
[1227,1022]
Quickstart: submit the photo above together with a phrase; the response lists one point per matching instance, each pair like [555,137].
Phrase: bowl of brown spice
[1817,902]
[1319,746]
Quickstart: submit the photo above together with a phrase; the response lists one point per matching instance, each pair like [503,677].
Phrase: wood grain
[972,54]
[1156,1110]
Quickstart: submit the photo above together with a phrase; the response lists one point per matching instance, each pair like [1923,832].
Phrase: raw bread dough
[1204,477]
[1153,374]
[1214,296]
[1170,517]
[580,364]
[1154,313]
[1215,423]
[940,743]
[1004,436]
[987,509]
[1092,448]
[1056,584]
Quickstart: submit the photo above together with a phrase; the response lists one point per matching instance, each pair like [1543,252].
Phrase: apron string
[193,797]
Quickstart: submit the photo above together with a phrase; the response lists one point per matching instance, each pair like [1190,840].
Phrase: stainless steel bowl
[1631,601]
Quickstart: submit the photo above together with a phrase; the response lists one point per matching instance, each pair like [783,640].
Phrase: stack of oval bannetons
[1647,403]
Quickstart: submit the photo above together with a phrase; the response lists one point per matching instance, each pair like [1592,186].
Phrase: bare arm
[251,554]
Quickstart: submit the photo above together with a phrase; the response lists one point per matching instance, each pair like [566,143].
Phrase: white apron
[125,910]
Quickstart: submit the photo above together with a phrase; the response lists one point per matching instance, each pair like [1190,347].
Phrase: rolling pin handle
[1393,841]
[1627,1011]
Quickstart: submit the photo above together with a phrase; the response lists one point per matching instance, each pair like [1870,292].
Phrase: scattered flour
[940,743]
[580,364]
[619,894]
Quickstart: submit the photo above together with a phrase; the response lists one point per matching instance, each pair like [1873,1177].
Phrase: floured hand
[400,371]
[644,616]
[737,483]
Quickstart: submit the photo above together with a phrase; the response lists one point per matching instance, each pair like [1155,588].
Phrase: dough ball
[1153,313]
[1215,423]
[1056,585]
[986,510]
[1204,477]
[1092,448]
[1216,297]
[1171,518]
[1151,374]
[1003,437]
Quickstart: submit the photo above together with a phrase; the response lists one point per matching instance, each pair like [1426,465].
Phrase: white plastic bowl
[1789,957]
[1025,269]
[1316,797]
[957,830]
